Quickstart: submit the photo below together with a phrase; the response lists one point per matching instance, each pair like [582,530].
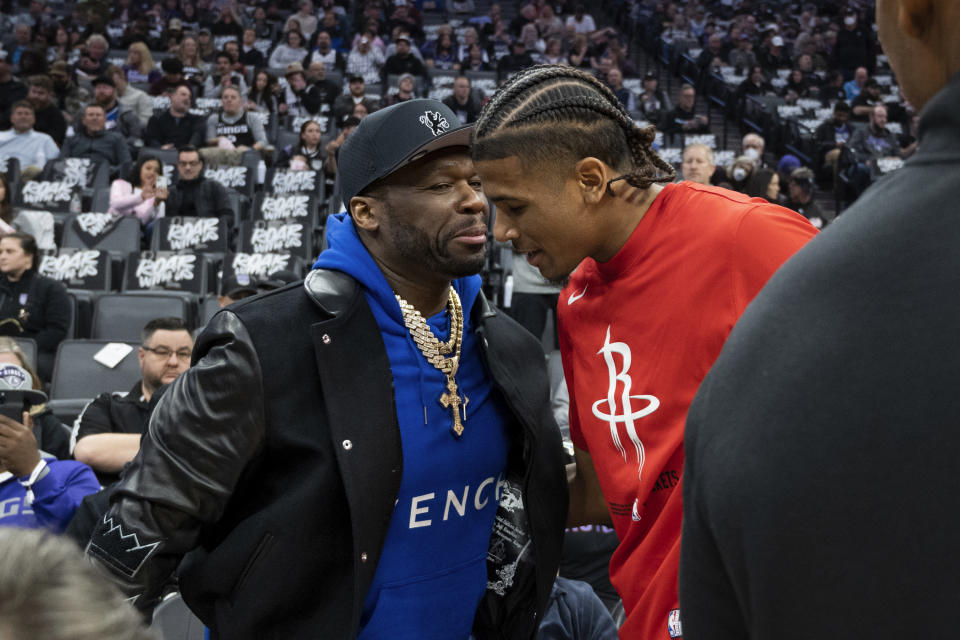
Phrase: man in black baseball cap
[375,444]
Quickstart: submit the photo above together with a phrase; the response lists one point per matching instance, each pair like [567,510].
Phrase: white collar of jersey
[6,475]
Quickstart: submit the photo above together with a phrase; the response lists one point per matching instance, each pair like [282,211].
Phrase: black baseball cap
[391,138]
[235,285]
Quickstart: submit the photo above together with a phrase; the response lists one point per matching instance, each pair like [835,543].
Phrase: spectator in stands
[70,97]
[324,52]
[93,62]
[356,94]
[740,172]
[109,428]
[119,117]
[798,83]
[406,84]
[869,97]
[743,57]
[553,53]
[832,136]
[462,101]
[193,64]
[37,490]
[236,286]
[855,46]
[476,59]
[205,45]
[51,435]
[871,144]
[131,97]
[22,34]
[259,23]
[262,95]
[333,147]
[832,89]
[11,89]
[403,61]
[854,86]
[140,66]
[223,77]
[32,305]
[308,148]
[683,117]
[786,166]
[176,127]
[754,85]
[48,117]
[800,191]
[232,49]
[753,146]
[250,56]
[227,23]
[91,139]
[580,21]
[652,102]
[773,56]
[712,55]
[304,20]
[698,163]
[233,127]
[327,90]
[37,570]
[299,97]
[517,60]
[764,183]
[289,51]
[139,195]
[365,59]
[173,76]
[469,38]
[193,195]
[615,82]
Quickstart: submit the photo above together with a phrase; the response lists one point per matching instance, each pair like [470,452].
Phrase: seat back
[165,270]
[121,317]
[101,231]
[79,268]
[77,375]
[277,236]
[191,234]
[300,207]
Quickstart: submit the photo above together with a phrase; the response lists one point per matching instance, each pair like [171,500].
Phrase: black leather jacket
[275,461]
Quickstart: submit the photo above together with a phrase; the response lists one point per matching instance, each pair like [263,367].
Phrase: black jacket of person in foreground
[281,500]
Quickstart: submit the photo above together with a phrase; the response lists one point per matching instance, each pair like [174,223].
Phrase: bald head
[919,37]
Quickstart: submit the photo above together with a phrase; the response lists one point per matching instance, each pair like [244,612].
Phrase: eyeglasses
[163,352]
[188,163]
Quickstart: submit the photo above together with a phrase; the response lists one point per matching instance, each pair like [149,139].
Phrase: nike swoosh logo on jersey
[576,296]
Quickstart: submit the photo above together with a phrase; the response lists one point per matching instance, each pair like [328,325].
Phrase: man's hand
[18,446]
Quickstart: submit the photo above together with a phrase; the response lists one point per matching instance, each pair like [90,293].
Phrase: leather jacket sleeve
[203,432]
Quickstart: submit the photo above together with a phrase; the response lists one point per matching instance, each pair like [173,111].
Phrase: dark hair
[27,242]
[161,324]
[303,127]
[255,94]
[142,160]
[841,107]
[548,111]
[223,54]
[6,205]
[758,182]
[22,104]
[44,82]
[189,148]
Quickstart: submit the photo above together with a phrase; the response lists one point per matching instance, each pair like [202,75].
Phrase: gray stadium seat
[174,621]
[78,378]
[120,317]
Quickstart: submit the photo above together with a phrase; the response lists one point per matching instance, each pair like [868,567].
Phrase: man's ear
[365,213]
[592,175]
[916,18]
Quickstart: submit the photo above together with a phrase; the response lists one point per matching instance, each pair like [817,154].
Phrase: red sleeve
[767,236]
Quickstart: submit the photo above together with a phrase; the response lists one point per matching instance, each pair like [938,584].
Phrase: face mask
[849,21]
[751,153]
[739,174]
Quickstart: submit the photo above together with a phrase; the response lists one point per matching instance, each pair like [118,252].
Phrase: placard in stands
[233,177]
[77,268]
[260,265]
[92,227]
[288,181]
[278,236]
[165,270]
[48,194]
[284,207]
[180,233]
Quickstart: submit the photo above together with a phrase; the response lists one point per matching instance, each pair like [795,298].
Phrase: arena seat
[77,377]
[120,316]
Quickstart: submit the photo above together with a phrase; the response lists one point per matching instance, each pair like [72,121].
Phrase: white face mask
[751,153]
[739,174]
[850,21]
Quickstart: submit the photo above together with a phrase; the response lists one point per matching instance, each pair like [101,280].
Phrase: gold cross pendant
[451,400]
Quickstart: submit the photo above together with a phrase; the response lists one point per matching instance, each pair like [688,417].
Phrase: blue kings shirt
[432,571]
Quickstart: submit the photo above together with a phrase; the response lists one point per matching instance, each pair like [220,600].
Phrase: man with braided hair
[664,272]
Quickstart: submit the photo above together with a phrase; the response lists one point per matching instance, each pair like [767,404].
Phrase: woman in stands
[61,47]
[52,435]
[291,50]
[764,183]
[139,195]
[140,66]
[442,52]
[307,151]
[262,96]
[31,305]
[227,24]
[193,64]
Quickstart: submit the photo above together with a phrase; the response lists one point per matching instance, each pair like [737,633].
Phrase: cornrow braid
[527,116]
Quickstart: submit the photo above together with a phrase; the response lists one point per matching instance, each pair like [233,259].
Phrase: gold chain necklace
[435,351]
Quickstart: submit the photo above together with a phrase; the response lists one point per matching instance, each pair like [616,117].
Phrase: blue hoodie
[56,496]
[432,573]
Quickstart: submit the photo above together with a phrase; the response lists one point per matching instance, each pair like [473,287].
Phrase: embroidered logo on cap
[12,377]
[434,121]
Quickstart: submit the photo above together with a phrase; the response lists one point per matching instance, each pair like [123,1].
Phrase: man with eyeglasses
[193,195]
[108,430]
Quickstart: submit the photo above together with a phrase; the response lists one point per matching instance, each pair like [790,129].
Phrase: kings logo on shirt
[619,408]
